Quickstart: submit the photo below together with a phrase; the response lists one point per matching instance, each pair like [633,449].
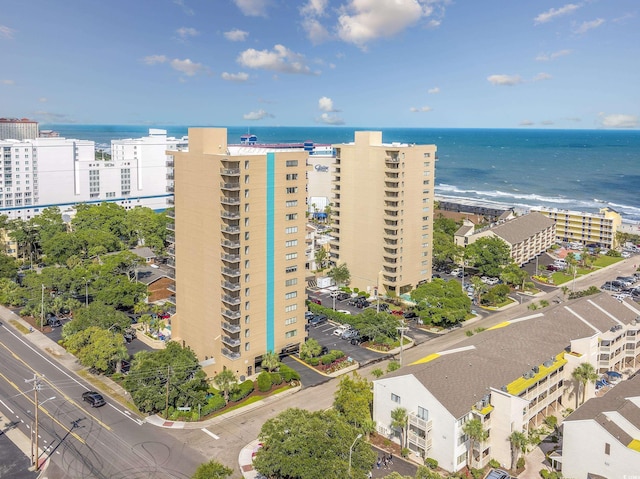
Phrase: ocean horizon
[582,170]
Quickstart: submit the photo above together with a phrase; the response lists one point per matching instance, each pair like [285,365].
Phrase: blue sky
[376,63]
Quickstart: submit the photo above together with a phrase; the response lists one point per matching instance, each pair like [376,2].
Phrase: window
[290,334]
[291,269]
[291,229]
[291,295]
[291,320]
[425,182]
[291,163]
[246,333]
[291,243]
[462,439]
[607,448]
[246,319]
[291,307]
[291,282]
[292,216]
[291,256]
[461,458]
[425,218]
[246,346]
[423,413]
[395,398]
[427,155]
[292,203]
[292,189]
[292,176]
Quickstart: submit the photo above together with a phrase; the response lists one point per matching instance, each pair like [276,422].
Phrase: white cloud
[6,32]
[326,104]
[8,82]
[252,8]
[235,77]
[433,90]
[362,21]
[314,8]
[618,121]
[555,12]
[316,32]
[186,9]
[328,119]
[185,32]
[236,35]
[257,115]
[546,122]
[280,59]
[153,59]
[504,80]
[526,123]
[586,26]
[421,109]
[43,100]
[186,66]
[545,57]
[541,76]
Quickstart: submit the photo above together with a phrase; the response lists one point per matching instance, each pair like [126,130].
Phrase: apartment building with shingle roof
[510,376]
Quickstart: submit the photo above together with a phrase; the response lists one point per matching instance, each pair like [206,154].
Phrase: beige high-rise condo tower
[239,250]
[383,212]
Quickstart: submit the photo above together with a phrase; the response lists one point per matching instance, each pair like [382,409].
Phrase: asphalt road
[107,442]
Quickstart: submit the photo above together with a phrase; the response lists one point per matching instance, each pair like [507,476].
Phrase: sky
[377,63]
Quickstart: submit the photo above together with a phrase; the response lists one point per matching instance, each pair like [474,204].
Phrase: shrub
[477,473]
[327,359]
[405,452]
[214,403]
[495,464]
[393,366]
[520,463]
[276,378]
[313,361]
[242,390]
[431,463]
[264,381]
[469,333]
[288,373]
[377,373]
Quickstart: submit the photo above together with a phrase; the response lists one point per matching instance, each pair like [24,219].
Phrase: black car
[342,296]
[410,314]
[54,322]
[317,320]
[93,398]
[609,286]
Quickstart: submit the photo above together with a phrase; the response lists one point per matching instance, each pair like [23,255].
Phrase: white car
[492,281]
[621,296]
[343,311]
[341,329]
[625,254]
[456,272]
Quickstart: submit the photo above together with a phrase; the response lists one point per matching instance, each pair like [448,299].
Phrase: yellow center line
[54,387]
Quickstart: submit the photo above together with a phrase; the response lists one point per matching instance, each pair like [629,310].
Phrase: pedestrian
[370,475]
[390,458]
[378,462]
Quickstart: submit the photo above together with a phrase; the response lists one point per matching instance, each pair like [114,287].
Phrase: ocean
[582,170]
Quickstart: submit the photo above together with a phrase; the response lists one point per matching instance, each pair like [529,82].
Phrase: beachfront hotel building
[511,377]
[383,212]
[18,129]
[584,227]
[59,172]
[239,253]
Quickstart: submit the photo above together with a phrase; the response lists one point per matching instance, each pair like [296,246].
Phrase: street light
[402,330]
[351,451]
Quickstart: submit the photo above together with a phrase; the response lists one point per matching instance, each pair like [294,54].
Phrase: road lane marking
[127,414]
[7,407]
[206,431]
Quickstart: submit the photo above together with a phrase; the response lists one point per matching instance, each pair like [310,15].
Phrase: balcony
[171,201]
[233,355]
[171,226]
[387,277]
[231,328]
[392,185]
[235,186]
[229,229]
[230,171]
[169,163]
[389,269]
[390,232]
[232,300]
[170,176]
[390,260]
[230,215]
[234,343]
[171,274]
[227,313]
[171,299]
[171,238]
[170,189]
[171,214]
[230,258]
[233,272]
[391,159]
[229,244]
[171,262]
[171,251]
[172,287]
[230,200]
[231,286]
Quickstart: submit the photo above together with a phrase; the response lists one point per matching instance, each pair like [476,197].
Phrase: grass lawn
[560,277]
[604,260]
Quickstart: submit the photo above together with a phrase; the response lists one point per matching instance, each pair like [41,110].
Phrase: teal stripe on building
[270,316]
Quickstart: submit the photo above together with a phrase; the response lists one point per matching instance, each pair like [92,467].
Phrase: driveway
[309,377]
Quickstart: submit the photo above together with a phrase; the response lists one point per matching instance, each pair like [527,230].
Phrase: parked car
[397,312]
[456,272]
[94,398]
[350,333]
[553,267]
[341,329]
[609,286]
[317,320]
[54,322]
[410,314]
[315,300]
[308,315]
[342,296]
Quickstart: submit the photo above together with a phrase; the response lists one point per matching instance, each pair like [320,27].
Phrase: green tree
[225,380]
[518,441]
[340,274]
[399,420]
[445,249]
[99,315]
[476,434]
[443,302]
[8,266]
[353,399]
[212,470]
[512,274]
[145,227]
[489,255]
[321,257]
[479,288]
[310,349]
[584,373]
[300,444]
[424,472]
[270,361]
[96,348]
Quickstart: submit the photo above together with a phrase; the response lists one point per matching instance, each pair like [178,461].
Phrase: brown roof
[500,356]
[524,227]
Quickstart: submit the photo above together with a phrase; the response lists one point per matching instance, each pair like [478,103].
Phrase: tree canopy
[489,255]
[445,249]
[353,399]
[299,444]
[441,302]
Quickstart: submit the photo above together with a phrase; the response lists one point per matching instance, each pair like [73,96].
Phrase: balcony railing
[231,328]
[169,163]
[230,215]
[170,176]
[171,238]
[171,251]
[171,201]
[171,213]
[230,171]
[229,244]
[230,186]
[171,262]
[231,271]
[230,200]
[230,258]
[233,300]
[231,286]
[230,229]
[231,341]
[227,313]
[171,226]
[171,299]
[172,287]
[233,355]
[170,189]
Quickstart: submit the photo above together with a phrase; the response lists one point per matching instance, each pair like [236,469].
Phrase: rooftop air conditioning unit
[536,369]
[548,363]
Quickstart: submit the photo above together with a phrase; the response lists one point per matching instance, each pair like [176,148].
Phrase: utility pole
[166,409]
[35,455]
[402,330]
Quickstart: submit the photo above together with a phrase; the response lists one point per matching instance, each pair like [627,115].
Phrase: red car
[397,312]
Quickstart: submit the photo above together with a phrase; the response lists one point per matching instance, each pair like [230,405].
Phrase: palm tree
[270,361]
[518,440]
[476,434]
[119,355]
[583,374]
[368,426]
[321,258]
[340,274]
[225,380]
[399,419]
[310,349]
